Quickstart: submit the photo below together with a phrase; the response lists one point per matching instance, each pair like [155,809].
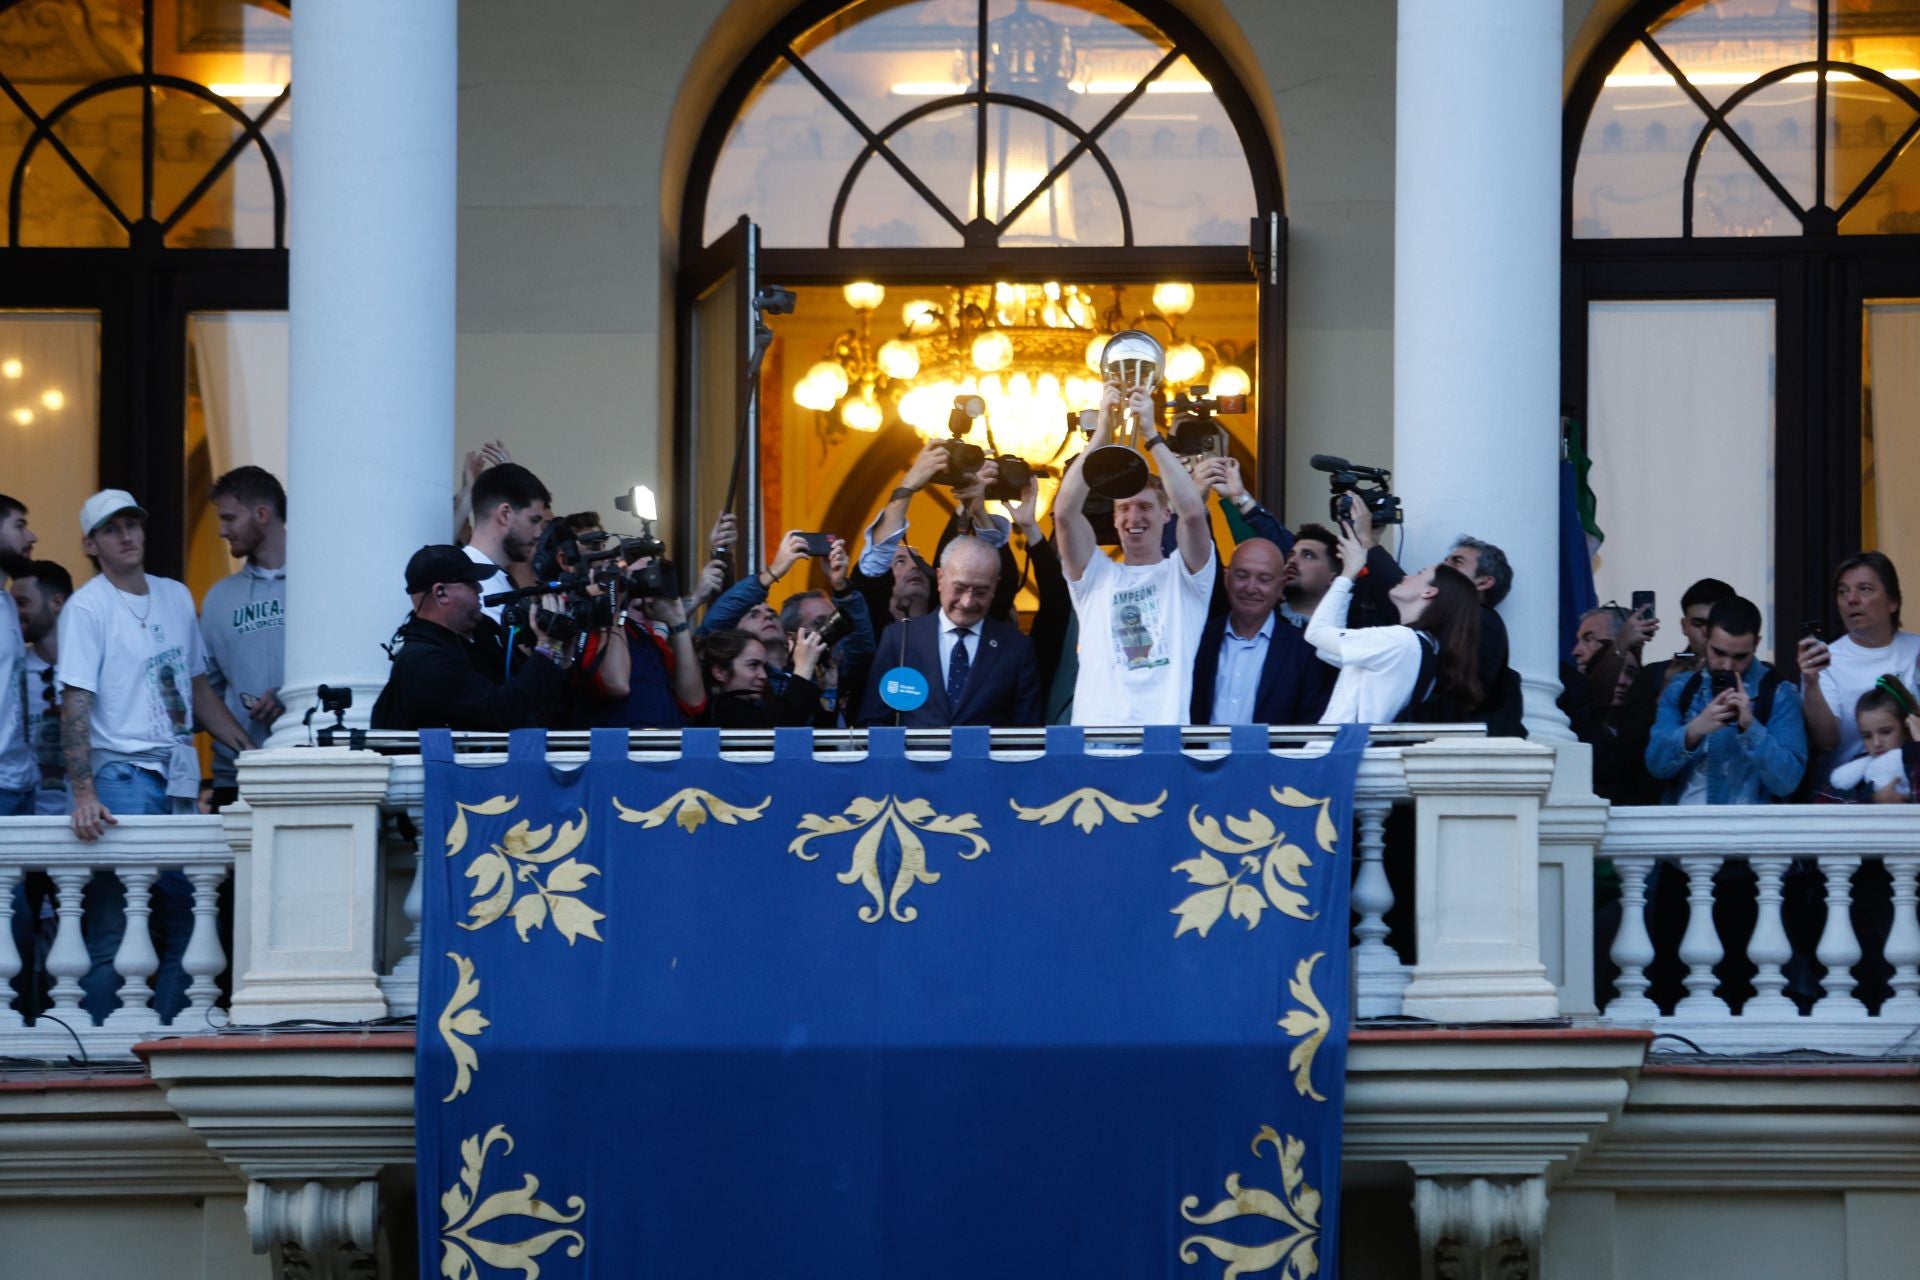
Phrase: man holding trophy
[1140,617]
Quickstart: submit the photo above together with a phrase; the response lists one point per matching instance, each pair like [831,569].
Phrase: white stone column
[1476,305]
[371,283]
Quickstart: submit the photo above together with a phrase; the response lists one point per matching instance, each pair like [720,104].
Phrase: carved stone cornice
[92,1136]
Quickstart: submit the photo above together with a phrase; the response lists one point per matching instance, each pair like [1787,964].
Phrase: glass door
[50,424]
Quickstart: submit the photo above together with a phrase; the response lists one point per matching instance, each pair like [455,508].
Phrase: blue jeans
[128,790]
[19,804]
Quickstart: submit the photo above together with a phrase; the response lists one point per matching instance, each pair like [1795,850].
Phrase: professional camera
[834,628]
[965,460]
[1194,433]
[1372,485]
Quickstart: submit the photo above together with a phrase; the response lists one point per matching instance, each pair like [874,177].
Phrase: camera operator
[894,579]
[1487,568]
[450,659]
[741,691]
[510,509]
[638,672]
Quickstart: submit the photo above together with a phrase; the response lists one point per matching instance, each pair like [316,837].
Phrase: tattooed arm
[90,817]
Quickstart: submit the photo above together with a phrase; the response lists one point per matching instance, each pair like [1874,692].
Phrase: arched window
[1743,193]
[1020,171]
[143,267]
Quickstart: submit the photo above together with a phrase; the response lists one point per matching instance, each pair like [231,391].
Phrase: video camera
[965,460]
[1194,433]
[567,564]
[1372,485]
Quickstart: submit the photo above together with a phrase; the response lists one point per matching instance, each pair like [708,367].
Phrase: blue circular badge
[903,689]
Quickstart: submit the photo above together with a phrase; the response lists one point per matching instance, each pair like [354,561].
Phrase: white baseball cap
[104,506]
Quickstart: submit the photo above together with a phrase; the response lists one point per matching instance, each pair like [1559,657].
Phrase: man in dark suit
[978,671]
[1253,667]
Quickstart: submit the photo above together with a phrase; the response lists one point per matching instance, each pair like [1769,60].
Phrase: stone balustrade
[1785,926]
[51,936]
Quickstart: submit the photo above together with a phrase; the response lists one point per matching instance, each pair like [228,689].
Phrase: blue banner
[1081,1015]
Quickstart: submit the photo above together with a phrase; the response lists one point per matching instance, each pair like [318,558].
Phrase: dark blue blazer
[1294,683]
[1003,683]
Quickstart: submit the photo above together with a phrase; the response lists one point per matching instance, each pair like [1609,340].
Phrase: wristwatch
[675,628]
[1245,502]
[1147,442]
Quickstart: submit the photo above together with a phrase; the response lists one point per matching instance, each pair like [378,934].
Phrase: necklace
[140,618]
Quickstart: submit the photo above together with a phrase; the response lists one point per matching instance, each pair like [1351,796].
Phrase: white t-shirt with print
[138,656]
[492,586]
[1854,669]
[1140,627]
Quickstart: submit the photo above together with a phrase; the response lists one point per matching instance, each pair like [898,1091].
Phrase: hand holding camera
[930,462]
[808,648]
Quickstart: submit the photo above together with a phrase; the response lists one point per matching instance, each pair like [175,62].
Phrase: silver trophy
[1118,470]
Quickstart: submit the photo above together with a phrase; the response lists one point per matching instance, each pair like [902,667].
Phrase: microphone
[1329,462]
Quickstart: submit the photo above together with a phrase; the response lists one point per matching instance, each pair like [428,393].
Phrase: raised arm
[1193,532]
[1072,532]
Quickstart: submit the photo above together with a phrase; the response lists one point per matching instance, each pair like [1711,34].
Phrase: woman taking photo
[1424,669]
[741,693]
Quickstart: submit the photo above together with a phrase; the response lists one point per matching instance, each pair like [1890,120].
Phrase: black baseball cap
[431,564]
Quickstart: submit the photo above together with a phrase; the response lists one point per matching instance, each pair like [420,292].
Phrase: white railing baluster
[402,985]
[1839,949]
[136,961]
[1769,948]
[1632,948]
[1700,948]
[205,959]
[1379,977]
[1903,939]
[67,959]
[10,964]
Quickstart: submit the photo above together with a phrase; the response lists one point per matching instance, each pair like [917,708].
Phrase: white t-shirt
[1140,627]
[1378,665]
[1855,667]
[138,656]
[497,583]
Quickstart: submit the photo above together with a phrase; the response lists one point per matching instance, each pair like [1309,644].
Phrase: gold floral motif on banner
[1271,871]
[1089,807]
[462,1251]
[910,821]
[527,875]
[1296,1210]
[456,1020]
[689,807]
[1312,1022]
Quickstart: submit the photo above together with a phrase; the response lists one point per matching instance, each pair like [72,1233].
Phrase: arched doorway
[965,195]
[143,270]
[1742,269]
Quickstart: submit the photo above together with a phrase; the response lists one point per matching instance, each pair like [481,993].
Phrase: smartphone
[818,544]
[1643,603]
[1722,680]
[1812,629]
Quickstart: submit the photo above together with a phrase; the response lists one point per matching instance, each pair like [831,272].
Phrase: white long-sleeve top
[1378,665]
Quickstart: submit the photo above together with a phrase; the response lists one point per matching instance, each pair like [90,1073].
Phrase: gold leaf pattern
[909,820]
[461,1251]
[456,1020]
[457,833]
[1323,829]
[1089,807]
[1257,846]
[1296,1209]
[1311,1022]
[689,807]
[508,879]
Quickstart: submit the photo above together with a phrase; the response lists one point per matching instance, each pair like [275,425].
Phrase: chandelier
[1031,351]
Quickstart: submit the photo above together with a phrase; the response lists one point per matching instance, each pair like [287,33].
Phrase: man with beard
[1251,667]
[1312,566]
[19,776]
[40,592]
[510,508]
[243,617]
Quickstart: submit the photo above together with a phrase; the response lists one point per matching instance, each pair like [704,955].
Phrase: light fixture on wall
[1032,351]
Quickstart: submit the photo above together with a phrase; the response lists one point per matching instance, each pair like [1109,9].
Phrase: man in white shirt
[510,509]
[1866,590]
[1140,618]
[132,683]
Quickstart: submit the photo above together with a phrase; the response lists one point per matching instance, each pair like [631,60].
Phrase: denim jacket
[1758,766]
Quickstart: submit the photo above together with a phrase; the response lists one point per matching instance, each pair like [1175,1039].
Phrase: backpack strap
[1688,691]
